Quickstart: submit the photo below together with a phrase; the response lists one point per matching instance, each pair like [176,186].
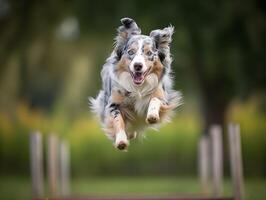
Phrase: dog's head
[142,55]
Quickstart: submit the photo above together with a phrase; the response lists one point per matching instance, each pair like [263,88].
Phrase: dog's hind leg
[117,124]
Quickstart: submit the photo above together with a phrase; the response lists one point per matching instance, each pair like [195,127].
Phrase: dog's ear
[128,28]
[125,31]
[162,39]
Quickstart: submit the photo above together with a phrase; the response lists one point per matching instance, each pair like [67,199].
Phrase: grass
[18,188]
[15,188]
[135,185]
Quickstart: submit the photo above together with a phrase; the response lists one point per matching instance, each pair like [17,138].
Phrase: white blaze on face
[139,58]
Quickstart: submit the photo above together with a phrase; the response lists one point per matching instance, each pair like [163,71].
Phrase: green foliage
[170,151]
[253,128]
[219,56]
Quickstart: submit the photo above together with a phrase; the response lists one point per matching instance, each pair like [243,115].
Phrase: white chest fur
[139,96]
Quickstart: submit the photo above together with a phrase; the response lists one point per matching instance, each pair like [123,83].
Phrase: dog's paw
[121,141]
[152,118]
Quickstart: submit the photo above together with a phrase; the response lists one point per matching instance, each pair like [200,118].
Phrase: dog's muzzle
[138,75]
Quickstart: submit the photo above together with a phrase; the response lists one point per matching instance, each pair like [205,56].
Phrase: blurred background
[51,54]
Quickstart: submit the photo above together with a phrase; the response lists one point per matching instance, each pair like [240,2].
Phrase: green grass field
[18,188]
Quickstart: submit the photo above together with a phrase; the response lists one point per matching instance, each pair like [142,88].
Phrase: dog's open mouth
[138,77]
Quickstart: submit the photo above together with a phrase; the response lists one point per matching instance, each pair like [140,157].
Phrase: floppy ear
[162,39]
[125,31]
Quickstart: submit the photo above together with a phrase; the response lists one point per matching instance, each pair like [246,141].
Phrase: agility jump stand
[58,162]
[210,161]
[210,167]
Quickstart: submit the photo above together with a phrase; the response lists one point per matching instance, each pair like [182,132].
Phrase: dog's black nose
[138,67]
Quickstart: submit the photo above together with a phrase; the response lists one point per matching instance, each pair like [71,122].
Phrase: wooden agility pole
[53,165]
[36,158]
[216,160]
[64,156]
[236,161]
[204,163]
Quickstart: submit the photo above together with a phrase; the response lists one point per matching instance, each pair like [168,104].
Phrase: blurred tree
[22,25]
[220,44]
[226,51]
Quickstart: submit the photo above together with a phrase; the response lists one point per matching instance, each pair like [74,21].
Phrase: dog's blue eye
[131,52]
[149,53]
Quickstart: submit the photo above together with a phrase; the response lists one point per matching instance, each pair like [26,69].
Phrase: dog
[136,84]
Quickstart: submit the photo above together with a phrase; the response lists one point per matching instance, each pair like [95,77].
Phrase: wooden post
[236,161]
[204,163]
[217,159]
[64,168]
[52,165]
[36,159]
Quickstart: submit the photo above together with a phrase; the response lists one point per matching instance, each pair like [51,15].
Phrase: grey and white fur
[137,84]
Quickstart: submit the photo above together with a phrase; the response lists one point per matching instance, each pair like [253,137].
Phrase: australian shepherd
[136,84]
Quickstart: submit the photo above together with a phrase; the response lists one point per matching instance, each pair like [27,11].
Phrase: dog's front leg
[153,111]
[118,125]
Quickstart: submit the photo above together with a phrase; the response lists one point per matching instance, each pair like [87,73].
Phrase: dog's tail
[97,105]
[174,100]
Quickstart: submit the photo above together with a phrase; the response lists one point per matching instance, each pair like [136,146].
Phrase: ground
[18,188]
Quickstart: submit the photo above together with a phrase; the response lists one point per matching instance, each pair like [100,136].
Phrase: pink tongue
[138,77]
